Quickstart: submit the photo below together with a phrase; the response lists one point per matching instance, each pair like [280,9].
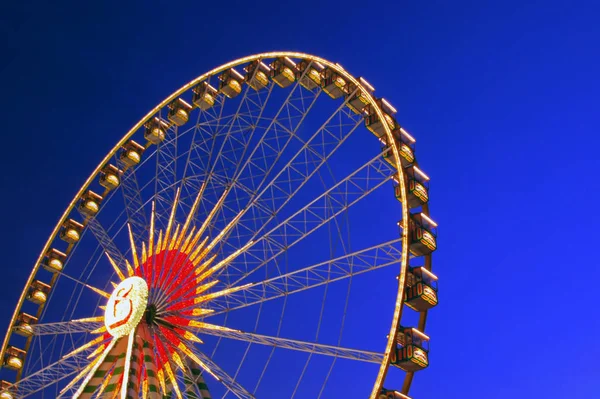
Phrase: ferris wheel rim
[268,55]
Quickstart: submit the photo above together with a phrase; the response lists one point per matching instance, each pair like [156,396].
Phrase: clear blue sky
[502,96]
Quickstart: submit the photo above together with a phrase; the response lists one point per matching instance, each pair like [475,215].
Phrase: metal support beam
[310,347]
[343,267]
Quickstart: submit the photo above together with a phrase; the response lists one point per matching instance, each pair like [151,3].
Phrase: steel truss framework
[132,198]
[252,165]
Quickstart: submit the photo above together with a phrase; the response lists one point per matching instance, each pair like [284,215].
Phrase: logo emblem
[126,306]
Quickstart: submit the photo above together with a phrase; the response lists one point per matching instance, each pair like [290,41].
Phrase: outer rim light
[126,306]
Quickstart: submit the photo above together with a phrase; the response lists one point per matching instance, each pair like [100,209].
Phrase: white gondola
[357,98]
[374,123]
[54,260]
[257,75]
[24,323]
[131,153]
[204,96]
[283,71]
[6,390]
[412,350]
[309,74]
[231,83]
[110,177]
[418,187]
[38,292]
[14,358]
[89,204]
[333,83]
[71,231]
[421,289]
[155,130]
[179,112]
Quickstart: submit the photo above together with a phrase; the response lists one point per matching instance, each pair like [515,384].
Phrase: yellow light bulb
[288,73]
[55,264]
[39,296]
[407,153]
[73,234]
[182,113]
[389,120]
[262,77]
[158,133]
[92,206]
[235,85]
[112,179]
[15,362]
[26,328]
[314,75]
[134,156]
[209,99]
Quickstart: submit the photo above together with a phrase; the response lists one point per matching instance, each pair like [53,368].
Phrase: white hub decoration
[126,306]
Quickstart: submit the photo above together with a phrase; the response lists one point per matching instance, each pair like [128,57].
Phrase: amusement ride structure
[262,232]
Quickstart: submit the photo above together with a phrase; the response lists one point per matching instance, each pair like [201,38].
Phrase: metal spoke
[317,213]
[266,201]
[51,374]
[205,134]
[106,241]
[343,267]
[235,146]
[63,327]
[240,128]
[271,146]
[132,197]
[310,347]
[166,173]
[265,153]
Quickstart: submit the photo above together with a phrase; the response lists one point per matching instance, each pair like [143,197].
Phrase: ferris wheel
[262,232]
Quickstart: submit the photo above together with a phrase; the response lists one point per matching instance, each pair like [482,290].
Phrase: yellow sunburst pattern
[148,330]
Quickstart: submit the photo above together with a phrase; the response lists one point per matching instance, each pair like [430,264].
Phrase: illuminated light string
[154,308]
